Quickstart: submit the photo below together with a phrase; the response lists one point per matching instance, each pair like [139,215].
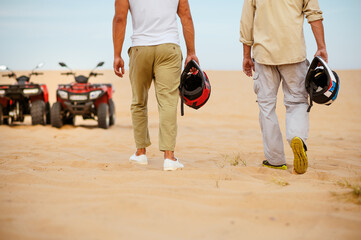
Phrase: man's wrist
[247,51]
[247,57]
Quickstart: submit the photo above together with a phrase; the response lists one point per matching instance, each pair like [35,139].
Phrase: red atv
[23,98]
[91,101]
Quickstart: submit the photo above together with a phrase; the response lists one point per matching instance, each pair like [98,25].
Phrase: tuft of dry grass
[356,191]
[234,159]
[280,181]
[352,196]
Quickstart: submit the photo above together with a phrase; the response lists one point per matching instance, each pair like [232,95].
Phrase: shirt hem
[139,44]
[280,63]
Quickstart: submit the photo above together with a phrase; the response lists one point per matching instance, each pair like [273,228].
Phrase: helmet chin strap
[182,101]
[311,87]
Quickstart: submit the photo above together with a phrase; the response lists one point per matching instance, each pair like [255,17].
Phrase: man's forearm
[246,51]
[119,25]
[318,32]
[188,33]
[185,16]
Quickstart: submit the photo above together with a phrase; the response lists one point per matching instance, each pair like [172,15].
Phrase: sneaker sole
[282,167]
[141,163]
[170,169]
[300,162]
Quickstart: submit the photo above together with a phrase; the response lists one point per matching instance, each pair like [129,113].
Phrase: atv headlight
[2,92]
[95,94]
[63,94]
[31,91]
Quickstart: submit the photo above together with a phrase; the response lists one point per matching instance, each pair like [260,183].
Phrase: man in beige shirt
[274,28]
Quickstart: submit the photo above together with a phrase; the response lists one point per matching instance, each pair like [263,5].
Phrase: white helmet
[322,84]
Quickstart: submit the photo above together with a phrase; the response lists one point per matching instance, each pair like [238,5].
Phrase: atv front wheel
[47,111]
[56,118]
[1,115]
[3,120]
[103,115]
[37,111]
[111,112]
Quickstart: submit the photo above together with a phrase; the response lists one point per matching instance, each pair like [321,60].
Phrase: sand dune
[76,182]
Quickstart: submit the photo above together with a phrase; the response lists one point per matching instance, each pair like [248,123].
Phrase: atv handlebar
[36,73]
[9,75]
[67,73]
[95,74]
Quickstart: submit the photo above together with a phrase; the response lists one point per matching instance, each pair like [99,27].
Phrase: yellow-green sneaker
[300,162]
[267,164]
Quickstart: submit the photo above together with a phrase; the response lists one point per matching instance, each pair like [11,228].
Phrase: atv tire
[56,118]
[103,116]
[47,111]
[37,112]
[111,112]
[1,116]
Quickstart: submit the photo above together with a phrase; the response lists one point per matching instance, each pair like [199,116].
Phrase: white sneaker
[141,159]
[170,165]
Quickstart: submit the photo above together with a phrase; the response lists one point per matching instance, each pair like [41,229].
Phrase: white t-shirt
[154,22]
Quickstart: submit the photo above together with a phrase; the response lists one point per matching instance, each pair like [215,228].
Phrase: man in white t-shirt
[155,54]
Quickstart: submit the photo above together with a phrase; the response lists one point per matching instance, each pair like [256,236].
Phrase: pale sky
[79,32]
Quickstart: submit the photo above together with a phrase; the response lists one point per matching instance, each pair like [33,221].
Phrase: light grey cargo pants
[267,79]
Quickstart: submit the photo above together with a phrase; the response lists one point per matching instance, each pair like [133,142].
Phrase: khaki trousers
[161,63]
[267,80]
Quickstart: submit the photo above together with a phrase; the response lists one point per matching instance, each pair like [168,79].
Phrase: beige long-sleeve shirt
[275,29]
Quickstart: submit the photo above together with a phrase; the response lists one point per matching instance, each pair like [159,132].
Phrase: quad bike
[91,101]
[24,98]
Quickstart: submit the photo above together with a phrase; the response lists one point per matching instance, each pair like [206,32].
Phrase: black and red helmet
[194,87]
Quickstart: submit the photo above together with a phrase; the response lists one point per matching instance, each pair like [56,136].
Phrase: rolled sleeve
[312,11]
[246,29]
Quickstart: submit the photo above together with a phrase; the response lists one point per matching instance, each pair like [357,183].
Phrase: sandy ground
[76,182]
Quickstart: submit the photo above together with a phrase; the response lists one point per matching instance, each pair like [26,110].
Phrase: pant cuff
[143,145]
